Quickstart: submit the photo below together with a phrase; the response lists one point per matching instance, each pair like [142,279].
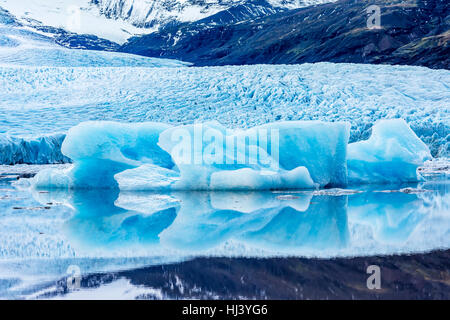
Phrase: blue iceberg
[392,153]
[202,156]
[102,149]
[208,156]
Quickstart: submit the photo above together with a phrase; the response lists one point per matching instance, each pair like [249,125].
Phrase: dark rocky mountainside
[415,32]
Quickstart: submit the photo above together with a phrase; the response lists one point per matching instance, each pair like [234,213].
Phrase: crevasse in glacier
[208,156]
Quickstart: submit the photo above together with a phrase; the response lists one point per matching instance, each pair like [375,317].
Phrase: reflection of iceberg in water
[186,224]
[322,226]
[207,220]
[260,221]
[199,222]
[104,231]
[99,223]
[391,216]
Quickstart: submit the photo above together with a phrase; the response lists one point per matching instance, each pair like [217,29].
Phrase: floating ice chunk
[208,156]
[392,154]
[102,149]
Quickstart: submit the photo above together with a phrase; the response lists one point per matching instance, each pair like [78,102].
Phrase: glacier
[237,97]
[208,156]
[21,47]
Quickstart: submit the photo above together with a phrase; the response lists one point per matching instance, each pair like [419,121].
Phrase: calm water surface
[289,245]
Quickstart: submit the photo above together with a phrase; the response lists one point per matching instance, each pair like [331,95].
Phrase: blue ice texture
[208,156]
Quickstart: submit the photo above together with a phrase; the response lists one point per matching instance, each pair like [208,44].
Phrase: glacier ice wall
[208,156]
[37,150]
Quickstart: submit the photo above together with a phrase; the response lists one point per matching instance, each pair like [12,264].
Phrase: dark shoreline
[415,276]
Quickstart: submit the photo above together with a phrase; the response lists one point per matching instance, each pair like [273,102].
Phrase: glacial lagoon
[111,235]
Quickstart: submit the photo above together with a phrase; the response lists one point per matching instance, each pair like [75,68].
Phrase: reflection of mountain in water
[417,276]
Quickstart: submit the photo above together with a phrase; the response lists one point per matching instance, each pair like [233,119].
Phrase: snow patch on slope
[78,16]
[118,20]
[24,46]
[156,13]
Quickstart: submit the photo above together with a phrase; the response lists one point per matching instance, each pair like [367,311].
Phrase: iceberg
[391,154]
[282,155]
[207,156]
[319,146]
[102,149]
[155,156]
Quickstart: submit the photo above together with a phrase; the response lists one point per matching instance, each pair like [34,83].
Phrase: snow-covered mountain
[148,13]
[75,16]
[24,46]
[118,20]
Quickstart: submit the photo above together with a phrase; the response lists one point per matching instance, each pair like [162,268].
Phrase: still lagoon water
[223,245]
